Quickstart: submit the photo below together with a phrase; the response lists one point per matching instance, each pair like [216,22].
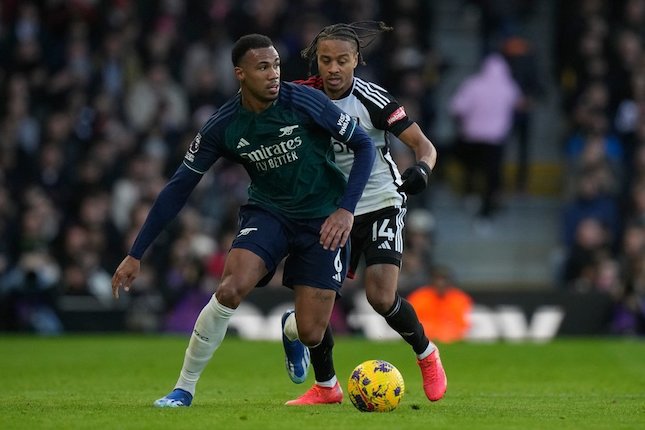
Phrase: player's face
[259,76]
[337,60]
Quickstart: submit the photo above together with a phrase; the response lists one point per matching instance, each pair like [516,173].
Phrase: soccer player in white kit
[377,234]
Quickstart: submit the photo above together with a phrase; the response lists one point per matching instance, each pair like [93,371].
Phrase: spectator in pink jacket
[483,106]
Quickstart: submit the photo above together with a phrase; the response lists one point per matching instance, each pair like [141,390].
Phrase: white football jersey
[379,114]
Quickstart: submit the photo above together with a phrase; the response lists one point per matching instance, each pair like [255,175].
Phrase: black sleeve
[385,111]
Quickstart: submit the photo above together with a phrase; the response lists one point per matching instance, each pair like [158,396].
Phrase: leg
[380,287]
[492,156]
[326,389]
[468,164]
[322,360]
[242,271]
[296,354]
[522,121]
[382,263]
[313,310]
[303,332]
[308,326]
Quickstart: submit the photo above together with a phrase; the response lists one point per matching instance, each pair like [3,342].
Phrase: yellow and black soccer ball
[375,386]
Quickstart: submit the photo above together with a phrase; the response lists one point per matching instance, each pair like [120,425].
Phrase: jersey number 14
[383,231]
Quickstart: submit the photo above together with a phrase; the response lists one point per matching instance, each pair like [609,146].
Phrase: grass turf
[111,381]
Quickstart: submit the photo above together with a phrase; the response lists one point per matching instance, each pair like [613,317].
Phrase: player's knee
[380,300]
[380,293]
[311,338]
[234,287]
[229,294]
[228,298]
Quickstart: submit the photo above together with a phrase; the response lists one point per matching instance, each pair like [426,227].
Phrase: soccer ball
[375,386]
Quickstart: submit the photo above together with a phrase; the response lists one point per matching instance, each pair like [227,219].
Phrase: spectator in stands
[157,100]
[519,53]
[632,250]
[590,247]
[593,198]
[597,152]
[443,308]
[30,285]
[484,106]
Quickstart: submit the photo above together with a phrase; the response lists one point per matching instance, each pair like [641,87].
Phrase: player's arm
[415,178]
[337,227]
[393,118]
[345,129]
[165,208]
[169,202]
[201,154]
[364,153]
[422,147]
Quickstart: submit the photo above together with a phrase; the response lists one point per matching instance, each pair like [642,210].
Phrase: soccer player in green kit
[300,206]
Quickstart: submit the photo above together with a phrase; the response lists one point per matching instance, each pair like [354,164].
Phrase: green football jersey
[286,150]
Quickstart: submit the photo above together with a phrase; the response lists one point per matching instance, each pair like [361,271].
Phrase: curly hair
[361,34]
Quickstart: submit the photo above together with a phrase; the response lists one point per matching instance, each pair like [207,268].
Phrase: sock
[328,384]
[210,329]
[290,327]
[429,350]
[322,360]
[403,319]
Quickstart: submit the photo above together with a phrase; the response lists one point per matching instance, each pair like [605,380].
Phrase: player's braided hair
[361,33]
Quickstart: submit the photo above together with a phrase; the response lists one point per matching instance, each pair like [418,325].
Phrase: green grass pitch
[110,382]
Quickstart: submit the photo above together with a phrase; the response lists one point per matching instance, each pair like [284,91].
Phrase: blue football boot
[297,357]
[177,398]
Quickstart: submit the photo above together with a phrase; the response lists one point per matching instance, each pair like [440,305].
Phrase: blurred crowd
[98,100]
[601,66]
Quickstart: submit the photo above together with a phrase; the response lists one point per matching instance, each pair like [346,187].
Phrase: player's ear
[239,73]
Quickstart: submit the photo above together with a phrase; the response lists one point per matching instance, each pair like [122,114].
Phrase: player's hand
[127,271]
[336,228]
[415,178]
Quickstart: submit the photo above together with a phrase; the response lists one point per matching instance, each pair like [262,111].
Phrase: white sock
[290,327]
[328,384]
[210,329]
[429,350]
